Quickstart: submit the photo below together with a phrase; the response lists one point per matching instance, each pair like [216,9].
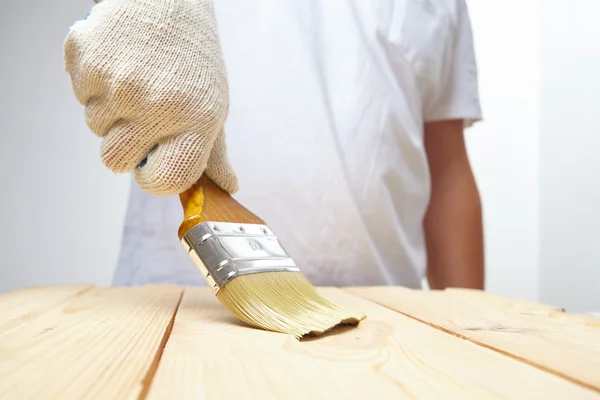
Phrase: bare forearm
[453,223]
[454,237]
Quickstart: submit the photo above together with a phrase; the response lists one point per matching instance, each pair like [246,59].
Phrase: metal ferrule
[223,251]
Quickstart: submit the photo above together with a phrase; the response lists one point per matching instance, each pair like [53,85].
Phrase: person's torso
[325,133]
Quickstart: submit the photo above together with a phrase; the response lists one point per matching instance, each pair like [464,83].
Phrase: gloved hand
[151,76]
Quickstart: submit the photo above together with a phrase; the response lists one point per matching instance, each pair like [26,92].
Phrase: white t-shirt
[325,131]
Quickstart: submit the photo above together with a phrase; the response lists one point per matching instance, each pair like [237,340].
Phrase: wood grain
[210,355]
[21,306]
[569,349]
[99,345]
[525,307]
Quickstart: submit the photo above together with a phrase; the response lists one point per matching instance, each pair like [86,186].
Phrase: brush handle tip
[205,201]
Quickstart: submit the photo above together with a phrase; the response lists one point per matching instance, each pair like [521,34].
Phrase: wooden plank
[568,349]
[99,345]
[23,305]
[519,305]
[525,307]
[210,355]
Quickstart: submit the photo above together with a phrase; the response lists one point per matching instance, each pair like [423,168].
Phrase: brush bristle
[283,302]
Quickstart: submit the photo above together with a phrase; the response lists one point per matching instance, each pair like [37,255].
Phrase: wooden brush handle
[205,201]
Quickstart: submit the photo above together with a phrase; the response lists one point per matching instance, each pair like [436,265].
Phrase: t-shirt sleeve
[459,92]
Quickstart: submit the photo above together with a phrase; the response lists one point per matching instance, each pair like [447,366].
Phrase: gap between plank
[487,346]
[147,381]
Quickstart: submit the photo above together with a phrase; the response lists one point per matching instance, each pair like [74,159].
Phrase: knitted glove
[151,76]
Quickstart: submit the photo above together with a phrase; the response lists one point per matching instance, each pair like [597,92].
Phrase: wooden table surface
[168,342]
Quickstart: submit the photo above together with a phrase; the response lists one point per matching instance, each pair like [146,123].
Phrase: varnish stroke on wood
[170,342]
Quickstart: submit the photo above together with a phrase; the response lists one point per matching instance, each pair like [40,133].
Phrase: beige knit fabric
[150,74]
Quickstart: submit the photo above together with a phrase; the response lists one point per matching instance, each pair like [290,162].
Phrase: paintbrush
[248,269]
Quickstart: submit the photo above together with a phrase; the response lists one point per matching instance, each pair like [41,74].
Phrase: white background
[535,156]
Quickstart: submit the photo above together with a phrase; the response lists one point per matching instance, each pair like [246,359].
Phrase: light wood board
[24,305]
[84,342]
[101,344]
[524,307]
[559,345]
[210,355]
